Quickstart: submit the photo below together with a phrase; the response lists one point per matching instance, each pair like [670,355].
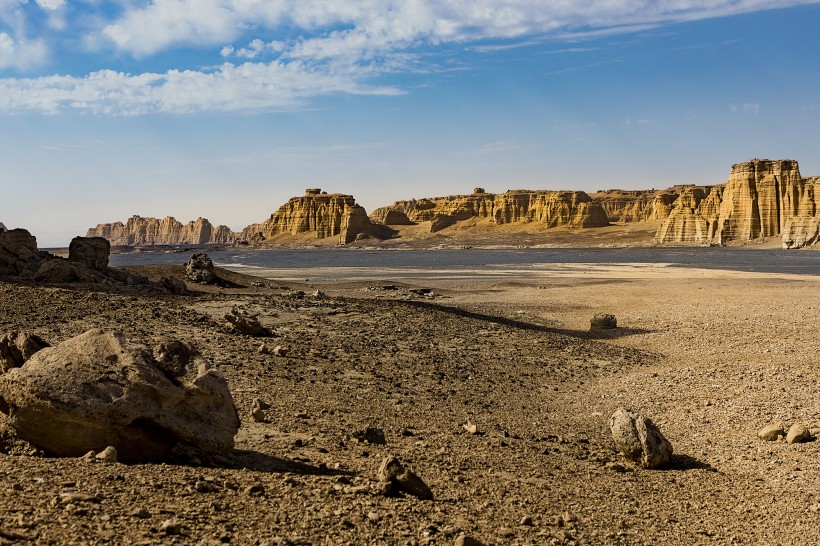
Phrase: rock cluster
[139,231]
[325,215]
[547,208]
[100,389]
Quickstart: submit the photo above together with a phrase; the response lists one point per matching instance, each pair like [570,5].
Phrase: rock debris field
[495,396]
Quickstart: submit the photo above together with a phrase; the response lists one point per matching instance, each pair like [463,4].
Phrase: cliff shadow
[513,323]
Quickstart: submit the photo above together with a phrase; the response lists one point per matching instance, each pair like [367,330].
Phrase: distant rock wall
[548,208]
[637,206]
[761,199]
[326,215]
[139,231]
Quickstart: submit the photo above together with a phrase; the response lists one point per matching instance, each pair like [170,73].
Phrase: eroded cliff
[548,208]
[637,206]
[139,231]
[761,199]
[326,215]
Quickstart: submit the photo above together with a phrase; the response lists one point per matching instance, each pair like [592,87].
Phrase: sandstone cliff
[547,208]
[637,206]
[326,215]
[761,199]
[138,231]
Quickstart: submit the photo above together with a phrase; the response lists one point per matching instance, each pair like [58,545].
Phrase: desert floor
[710,356]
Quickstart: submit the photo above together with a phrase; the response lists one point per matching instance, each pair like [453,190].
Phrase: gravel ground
[711,357]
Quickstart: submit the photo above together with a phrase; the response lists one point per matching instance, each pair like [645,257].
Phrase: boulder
[639,439]
[174,286]
[57,270]
[771,432]
[91,252]
[603,321]
[17,347]
[798,432]
[200,269]
[99,389]
[391,471]
[19,240]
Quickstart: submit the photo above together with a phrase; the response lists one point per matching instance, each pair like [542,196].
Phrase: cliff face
[761,199]
[549,208]
[168,231]
[326,215]
[637,206]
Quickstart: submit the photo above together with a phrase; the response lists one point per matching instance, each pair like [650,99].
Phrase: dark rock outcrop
[92,252]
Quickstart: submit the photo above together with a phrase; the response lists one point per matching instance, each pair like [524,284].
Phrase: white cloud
[745,108]
[249,86]
[51,4]
[20,55]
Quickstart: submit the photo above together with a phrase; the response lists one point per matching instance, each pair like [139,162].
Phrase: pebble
[526,521]
[171,526]
[467,540]
[255,490]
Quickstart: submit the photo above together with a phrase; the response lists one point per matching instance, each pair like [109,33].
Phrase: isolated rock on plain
[99,389]
[798,432]
[771,432]
[639,439]
[200,269]
[603,321]
[92,252]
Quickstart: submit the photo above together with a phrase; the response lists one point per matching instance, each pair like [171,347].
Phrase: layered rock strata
[139,231]
[761,199]
[325,215]
[637,206]
[548,208]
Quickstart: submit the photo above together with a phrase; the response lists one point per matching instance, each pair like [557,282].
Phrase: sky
[225,109]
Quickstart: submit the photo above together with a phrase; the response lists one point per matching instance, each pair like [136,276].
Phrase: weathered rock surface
[200,268]
[798,432]
[639,439]
[17,347]
[326,215]
[637,206]
[245,323]
[547,208]
[19,239]
[92,252]
[139,231]
[99,389]
[761,199]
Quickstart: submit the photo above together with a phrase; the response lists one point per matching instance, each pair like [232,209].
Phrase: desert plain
[711,356]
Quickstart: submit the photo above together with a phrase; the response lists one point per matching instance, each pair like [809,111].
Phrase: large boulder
[200,269]
[92,252]
[639,439]
[99,389]
[19,239]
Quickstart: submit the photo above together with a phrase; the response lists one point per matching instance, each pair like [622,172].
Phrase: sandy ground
[710,356]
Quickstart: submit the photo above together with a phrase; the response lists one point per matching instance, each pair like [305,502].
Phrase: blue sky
[226,108]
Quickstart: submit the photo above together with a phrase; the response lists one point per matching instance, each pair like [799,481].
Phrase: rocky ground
[711,357]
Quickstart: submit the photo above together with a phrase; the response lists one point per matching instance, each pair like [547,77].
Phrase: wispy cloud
[282,53]
[745,108]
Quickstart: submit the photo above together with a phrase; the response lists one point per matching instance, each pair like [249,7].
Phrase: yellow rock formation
[138,231]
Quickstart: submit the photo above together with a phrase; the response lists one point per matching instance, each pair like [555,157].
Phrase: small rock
[258,408]
[603,321]
[371,435]
[391,470]
[471,428]
[771,432]
[526,521]
[245,323]
[74,497]
[467,540]
[90,457]
[639,439]
[280,351]
[797,433]
[255,490]
[319,294]
[108,455]
[615,467]
[374,517]
[171,526]
[263,349]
